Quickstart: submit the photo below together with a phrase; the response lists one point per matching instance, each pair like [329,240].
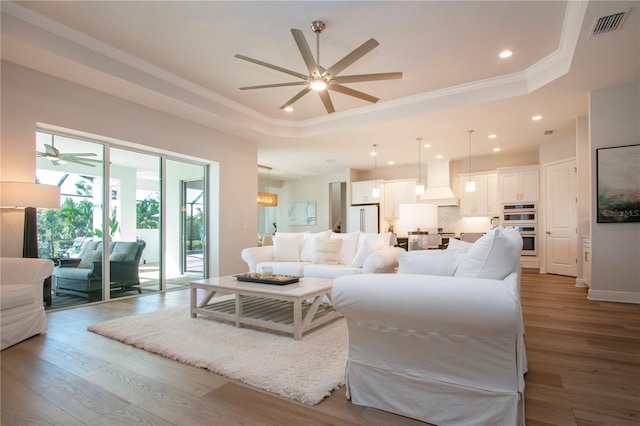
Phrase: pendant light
[375,192]
[267,199]
[419,186]
[470,185]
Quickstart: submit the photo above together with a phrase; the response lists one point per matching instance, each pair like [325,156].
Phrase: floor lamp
[418,216]
[29,196]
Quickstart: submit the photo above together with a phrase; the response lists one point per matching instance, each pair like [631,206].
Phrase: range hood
[438,189]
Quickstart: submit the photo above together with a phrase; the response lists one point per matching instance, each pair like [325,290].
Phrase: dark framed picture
[618,184]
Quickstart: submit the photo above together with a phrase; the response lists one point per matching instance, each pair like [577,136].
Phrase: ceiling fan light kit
[320,79]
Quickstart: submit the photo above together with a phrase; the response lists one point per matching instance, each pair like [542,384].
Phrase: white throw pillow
[494,255]
[327,251]
[349,245]
[429,262]
[455,244]
[90,256]
[365,250]
[286,249]
[306,253]
[368,236]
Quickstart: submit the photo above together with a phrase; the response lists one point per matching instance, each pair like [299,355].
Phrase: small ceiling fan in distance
[52,153]
[322,79]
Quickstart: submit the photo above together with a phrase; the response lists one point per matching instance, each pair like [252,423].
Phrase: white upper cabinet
[474,203]
[396,193]
[518,184]
[362,192]
[493,200]
[484,200]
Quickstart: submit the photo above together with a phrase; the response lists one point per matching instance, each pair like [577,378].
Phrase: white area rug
[306,371]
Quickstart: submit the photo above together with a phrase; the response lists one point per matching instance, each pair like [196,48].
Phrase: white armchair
[21,311]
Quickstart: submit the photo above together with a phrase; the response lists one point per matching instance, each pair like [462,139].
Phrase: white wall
[614,120]
[309,189]
[30,97]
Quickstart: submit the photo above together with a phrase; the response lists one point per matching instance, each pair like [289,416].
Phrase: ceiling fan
[321,79]
[57,158]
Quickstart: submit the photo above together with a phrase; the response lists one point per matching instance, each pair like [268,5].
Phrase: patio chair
[83,276]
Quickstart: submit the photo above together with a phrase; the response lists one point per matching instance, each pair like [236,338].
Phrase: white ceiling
[178,57]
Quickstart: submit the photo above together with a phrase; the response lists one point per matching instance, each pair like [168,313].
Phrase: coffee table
[293,308]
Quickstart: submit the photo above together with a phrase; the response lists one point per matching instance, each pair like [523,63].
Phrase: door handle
[548,233]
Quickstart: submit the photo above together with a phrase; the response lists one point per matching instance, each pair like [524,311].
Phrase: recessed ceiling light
[439,157]
[391,162]
[496,149]
[493,136]
[536,118]
[288,109]
[505,54]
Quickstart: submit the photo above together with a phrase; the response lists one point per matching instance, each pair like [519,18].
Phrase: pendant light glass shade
[375,192]
[419,186]
[470,185]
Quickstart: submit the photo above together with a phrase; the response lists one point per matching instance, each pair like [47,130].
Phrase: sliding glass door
[186,213]
[134,203]
[155,213]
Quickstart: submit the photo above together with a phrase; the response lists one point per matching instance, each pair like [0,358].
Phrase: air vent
[548,132]
[609,23]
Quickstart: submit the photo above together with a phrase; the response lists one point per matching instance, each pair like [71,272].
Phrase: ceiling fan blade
[305,51]
[273,67]
[69,157]
[296,97]
[266,86]
[351,92]
[367,77]
[356,54]
[326,100]
[81,161]
[80,154]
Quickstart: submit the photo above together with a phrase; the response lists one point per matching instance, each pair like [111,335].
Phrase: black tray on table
[274,279]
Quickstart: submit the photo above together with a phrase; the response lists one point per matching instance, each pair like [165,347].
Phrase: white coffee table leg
[297,319]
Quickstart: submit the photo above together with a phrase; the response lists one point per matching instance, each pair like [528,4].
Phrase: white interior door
[560,219]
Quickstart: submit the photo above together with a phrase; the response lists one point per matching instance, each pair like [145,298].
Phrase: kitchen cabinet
[474,203]
[484,200]
[518,184]
[361,192]
[586,261]
[493,201]
[396,193]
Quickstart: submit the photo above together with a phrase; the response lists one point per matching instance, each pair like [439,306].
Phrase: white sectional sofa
[325,254]
[442,340]
[21,311]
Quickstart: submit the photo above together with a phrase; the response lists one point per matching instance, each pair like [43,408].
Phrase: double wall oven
[524,218]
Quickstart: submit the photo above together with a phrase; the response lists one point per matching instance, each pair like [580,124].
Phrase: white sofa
[441,341]
[325,254]
[21,310]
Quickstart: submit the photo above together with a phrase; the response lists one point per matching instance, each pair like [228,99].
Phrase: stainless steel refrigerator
[364,217]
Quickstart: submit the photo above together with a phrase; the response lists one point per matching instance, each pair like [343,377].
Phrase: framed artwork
[302,213]
[618,184]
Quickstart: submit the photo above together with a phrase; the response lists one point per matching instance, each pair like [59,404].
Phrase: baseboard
[614,296]
[580,283]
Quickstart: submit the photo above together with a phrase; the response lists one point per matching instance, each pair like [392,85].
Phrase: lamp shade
[418,216]
[28,194]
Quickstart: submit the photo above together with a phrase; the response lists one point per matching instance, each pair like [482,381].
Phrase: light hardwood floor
[584,369]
